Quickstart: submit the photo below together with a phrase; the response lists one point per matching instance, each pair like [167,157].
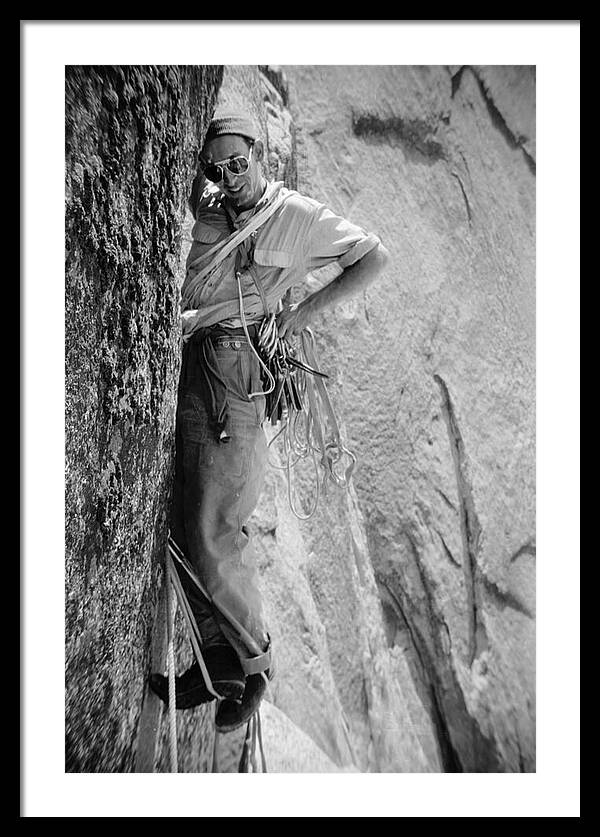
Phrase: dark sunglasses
[235,165]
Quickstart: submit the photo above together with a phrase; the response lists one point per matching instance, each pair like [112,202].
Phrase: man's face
[242,190]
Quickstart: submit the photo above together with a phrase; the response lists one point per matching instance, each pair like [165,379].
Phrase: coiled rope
[309,427]
[298,398]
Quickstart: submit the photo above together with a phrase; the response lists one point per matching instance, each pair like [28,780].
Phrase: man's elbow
[370,266]
[382,255]
[379,258]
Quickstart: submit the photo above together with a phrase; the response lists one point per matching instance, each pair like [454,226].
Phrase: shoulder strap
[222,249]
[259,287]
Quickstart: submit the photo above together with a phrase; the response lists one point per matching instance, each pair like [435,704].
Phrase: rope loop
[300,403]
[248,762]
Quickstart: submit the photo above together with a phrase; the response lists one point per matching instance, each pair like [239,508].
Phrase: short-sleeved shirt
[301,237]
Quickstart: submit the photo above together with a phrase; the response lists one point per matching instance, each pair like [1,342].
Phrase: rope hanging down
[296,397]
[253,730]
[248,761]
[171,614]
[309,427]
[309,430]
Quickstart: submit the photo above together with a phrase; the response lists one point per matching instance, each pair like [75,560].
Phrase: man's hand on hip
[292,320]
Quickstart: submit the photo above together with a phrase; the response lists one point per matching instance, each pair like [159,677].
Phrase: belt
[231,338]
[216,332]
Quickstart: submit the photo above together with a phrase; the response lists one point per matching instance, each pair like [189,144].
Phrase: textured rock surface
[402,613]
[131,137]
[435,376]
[289,750]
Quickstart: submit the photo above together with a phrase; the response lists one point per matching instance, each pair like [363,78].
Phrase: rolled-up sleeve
[333,238]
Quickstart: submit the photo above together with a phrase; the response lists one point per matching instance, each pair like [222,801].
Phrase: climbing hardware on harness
[297,398]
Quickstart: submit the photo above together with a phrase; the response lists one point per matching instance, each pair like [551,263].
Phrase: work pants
[219,474]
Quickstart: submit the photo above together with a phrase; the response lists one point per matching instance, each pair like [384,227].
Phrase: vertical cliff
[131,138]
[434,375]
[402,613]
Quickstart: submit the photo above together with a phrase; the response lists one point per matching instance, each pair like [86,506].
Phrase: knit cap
[229,121]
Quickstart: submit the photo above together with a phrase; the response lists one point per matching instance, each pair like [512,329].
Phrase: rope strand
[171,613]
[312,431]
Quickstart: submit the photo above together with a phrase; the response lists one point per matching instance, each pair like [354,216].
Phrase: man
[233,280]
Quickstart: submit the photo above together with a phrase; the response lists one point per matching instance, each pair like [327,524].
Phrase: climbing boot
[226,674]
[231,714]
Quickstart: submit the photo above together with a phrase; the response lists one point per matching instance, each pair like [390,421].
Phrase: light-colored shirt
[302,242]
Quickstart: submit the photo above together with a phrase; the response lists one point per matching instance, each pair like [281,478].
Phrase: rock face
[435,377]
[289,750]
[131,139]
[402,612]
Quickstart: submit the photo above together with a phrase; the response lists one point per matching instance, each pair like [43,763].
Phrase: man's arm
[354,279]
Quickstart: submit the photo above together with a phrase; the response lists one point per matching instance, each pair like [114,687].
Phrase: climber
[253,239]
